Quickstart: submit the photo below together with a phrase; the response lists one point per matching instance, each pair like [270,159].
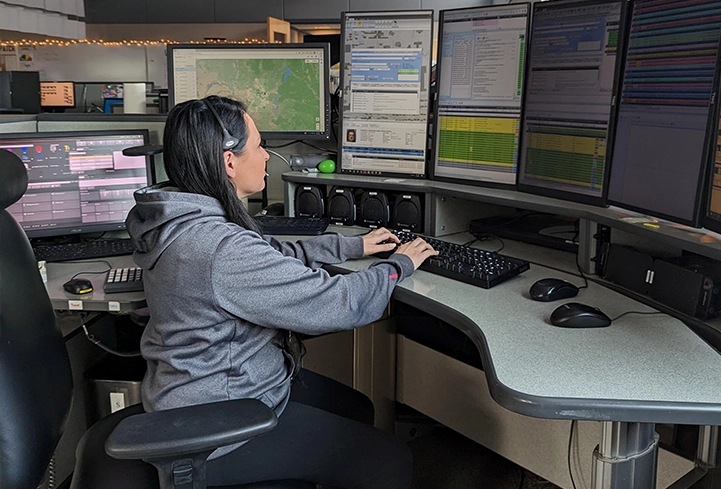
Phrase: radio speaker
[407,213]
[341,206]
[373,209]
[687,284]
[309,201]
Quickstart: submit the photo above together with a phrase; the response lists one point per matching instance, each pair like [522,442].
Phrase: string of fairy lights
[132,42]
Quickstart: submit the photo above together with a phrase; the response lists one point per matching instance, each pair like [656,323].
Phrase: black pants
[324,436]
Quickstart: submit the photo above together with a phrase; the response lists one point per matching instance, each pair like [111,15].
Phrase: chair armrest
[189,430]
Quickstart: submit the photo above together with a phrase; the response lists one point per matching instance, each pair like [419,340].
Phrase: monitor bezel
[266,135]
[436,102]
[595,200]
[85,228]
[700,200]
[382,13]
[46,108]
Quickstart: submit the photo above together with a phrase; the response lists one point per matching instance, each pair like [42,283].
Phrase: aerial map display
[281,94]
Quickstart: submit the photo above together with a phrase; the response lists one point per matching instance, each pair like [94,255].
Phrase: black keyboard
[470,265]
[83,250]
[123,280]
[301,226]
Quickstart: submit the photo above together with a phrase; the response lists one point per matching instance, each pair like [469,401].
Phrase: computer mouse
[552,289]
[78,286]
[326,166]
[577,315]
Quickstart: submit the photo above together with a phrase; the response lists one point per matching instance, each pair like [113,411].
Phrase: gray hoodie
[218,295]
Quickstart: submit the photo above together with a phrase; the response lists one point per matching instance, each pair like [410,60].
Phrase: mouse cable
[570,444]
[637,312]
[583,275]
[522,476]
[284,145]
[90,273]
[325,150]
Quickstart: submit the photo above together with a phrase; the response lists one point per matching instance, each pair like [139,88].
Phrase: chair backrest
[35,375]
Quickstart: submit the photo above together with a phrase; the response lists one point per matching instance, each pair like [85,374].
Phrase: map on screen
[279,93]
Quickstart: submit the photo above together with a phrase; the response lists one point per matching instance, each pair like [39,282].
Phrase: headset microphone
[229,142]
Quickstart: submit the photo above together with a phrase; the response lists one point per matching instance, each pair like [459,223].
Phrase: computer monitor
[572,75]
[665,109]
[479,80]
[57,95]
[385,79]
[78,182]
[712,217]
[285,86]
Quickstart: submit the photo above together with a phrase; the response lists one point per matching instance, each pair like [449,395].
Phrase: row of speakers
[370,208]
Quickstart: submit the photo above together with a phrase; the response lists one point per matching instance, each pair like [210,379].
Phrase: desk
[97,300]
[639,371]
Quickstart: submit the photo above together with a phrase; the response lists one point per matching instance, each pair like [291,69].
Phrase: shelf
[696,240]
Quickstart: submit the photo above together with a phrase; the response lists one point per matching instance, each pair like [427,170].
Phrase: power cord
[570,444]
[101,345]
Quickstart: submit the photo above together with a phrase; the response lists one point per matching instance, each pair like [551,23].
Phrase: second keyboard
[470,265]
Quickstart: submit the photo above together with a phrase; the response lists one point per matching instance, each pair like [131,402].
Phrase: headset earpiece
[229,142]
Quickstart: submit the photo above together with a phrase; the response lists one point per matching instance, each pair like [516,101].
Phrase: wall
[243,11]
[50,18]
[177,32]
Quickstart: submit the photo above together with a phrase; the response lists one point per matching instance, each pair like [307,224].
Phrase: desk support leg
[626,458]
[708,455]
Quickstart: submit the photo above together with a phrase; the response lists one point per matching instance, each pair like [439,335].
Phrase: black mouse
[552,289]
[576,315]
[78,286]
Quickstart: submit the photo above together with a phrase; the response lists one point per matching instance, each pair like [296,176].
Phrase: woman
[222,299]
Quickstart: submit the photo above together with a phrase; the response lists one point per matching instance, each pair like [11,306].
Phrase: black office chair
[36,392]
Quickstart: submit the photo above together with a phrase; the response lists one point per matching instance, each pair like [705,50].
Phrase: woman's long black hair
[193,152]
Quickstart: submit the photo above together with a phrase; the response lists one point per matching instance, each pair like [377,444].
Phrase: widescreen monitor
[57,95]
[285,86]
[479,79]
[78,182]
[573,66]
[665,118]
[385,79]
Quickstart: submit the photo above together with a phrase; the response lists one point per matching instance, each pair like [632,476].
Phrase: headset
[229,142]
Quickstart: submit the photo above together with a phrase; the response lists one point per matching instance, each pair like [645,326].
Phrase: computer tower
[341,208]
[309,201]
[628,267]
[688,284]
[20,90]
[407,213]
[373,209]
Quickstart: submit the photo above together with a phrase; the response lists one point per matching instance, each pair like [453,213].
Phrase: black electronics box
[689,284]
[20,90]
[537,228]
[628,267]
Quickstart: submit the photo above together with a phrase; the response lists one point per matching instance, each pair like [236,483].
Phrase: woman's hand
[418,251]
[373,241]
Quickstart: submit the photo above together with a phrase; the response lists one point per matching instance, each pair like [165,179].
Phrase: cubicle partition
[18,123]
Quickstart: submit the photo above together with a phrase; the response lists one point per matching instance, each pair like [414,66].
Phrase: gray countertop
[640,369]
